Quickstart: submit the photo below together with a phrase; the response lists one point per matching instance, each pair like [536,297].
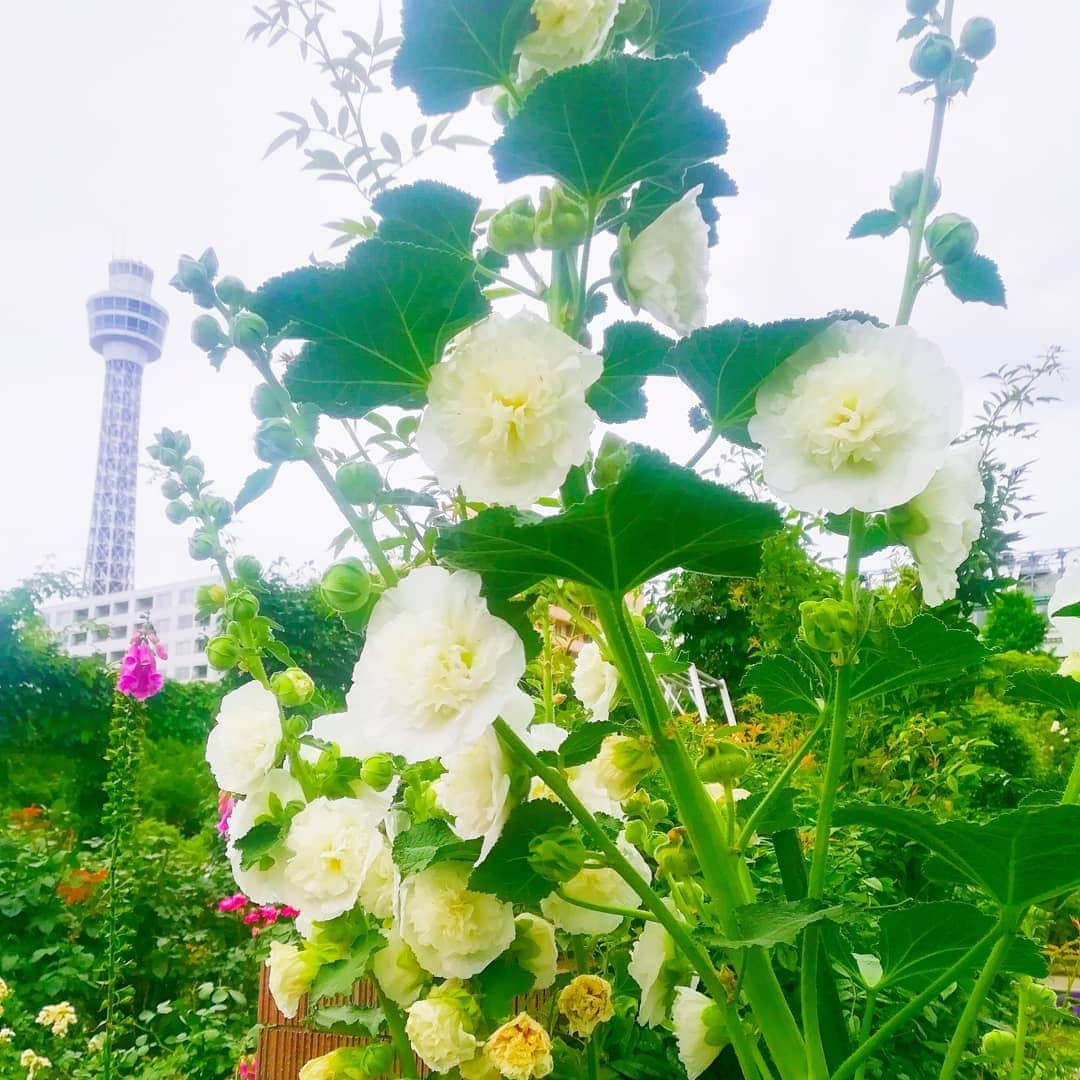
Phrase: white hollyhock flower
[329,851]
[354,737]
[596,784]
[535,949]
[380,884]
[262,886]
[542,737]
[666,266]
[437,668]
[1066,592]
[599,886]
[506,416]
[453,931]
[697,1021]
[242,746]
[438,1033]
[945,522]
[568,32]
[861,418]
[475,789]
[651,953]
[399,975]
[292,972]
[595,681]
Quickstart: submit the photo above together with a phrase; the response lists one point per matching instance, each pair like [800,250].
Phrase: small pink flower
[288,912]
[139,677]
[233,903]
[225,808]
[252,917]
[269,914]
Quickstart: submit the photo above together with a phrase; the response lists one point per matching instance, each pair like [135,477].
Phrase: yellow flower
[586,1002]
[57,1018]
[520,1049]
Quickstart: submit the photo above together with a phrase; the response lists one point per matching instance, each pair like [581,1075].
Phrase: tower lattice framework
[127,328]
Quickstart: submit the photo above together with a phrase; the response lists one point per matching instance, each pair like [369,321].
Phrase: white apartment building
[102,625]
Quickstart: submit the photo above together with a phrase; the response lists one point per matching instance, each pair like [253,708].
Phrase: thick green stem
[915,1006]
[1017,1070]
[607,909]
[592,1058]
[917,228]
[958,1043]
[865,1025]
[1072,788]
[682,937]
[549,697]
[812,943]
[698,813]
[402,1046]
[705,447]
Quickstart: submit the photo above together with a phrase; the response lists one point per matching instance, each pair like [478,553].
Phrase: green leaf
[604,126]
[429,214]
[507,872]
[338,979]
[500,983]
[583,744]
[920,942]
[431,842]
[912,28]
[405,497]
[632,352]
[924,651]
[1044,688]
[776,922]
[725,364]
[875,223]
[976,278]
[374,327]
[1069,611]
[706,30]
[654,517]
[778,816]
[259,841]
[257,484]
[784,686]
[452,48]
[652,197]
[1019,858]
[350,1019]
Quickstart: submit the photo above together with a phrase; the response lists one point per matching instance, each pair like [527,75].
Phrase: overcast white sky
[138,128]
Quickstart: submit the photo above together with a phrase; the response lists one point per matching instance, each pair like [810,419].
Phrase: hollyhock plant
[464,832]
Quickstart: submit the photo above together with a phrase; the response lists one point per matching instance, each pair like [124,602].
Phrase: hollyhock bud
[513,228]
[276,442]
[222,653]
[231,291]
[241,606]
[828,625]
[249,330]
[585,1002]
[998,1046]
[904,194]
[557,855]
[218,509]
[346,585]
[206,332]
[723,761]
[172,489]
[191,275]
[918,8]
[561,221]
[202,546]
[210,597]
[191,475]
[932,56]
[248,569]
[359,482]
[978,38]
[265,403]
[292,687]
[377,771]
[675,856]
[951,238]
[177,512]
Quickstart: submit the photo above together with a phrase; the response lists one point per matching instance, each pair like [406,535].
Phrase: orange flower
[80,886]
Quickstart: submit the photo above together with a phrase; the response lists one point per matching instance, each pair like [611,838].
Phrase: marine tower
[127,328]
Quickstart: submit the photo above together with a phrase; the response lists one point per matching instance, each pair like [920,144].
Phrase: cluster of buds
[830,626]
[936,56]
[257,916]
[139,677]
[560,223]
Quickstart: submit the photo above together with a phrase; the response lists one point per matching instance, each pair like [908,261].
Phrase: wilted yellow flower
[520,1049]
[33,1063]
[586,1002]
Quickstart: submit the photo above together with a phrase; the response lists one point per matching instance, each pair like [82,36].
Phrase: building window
[101,633]
[120,607]
[82,613]
[201,643]
[183,648]
[163,599]
[185,622]
[119,632]
[78,639]
[101,611]
[203,620]
[183,674]
[116,656]
[162,625]
[199,671]
[187,596]
[144,603]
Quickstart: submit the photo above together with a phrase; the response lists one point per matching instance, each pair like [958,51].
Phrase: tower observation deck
[127,328]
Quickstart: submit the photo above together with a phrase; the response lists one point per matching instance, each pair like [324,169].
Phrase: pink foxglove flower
[226,802]
[139,677]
